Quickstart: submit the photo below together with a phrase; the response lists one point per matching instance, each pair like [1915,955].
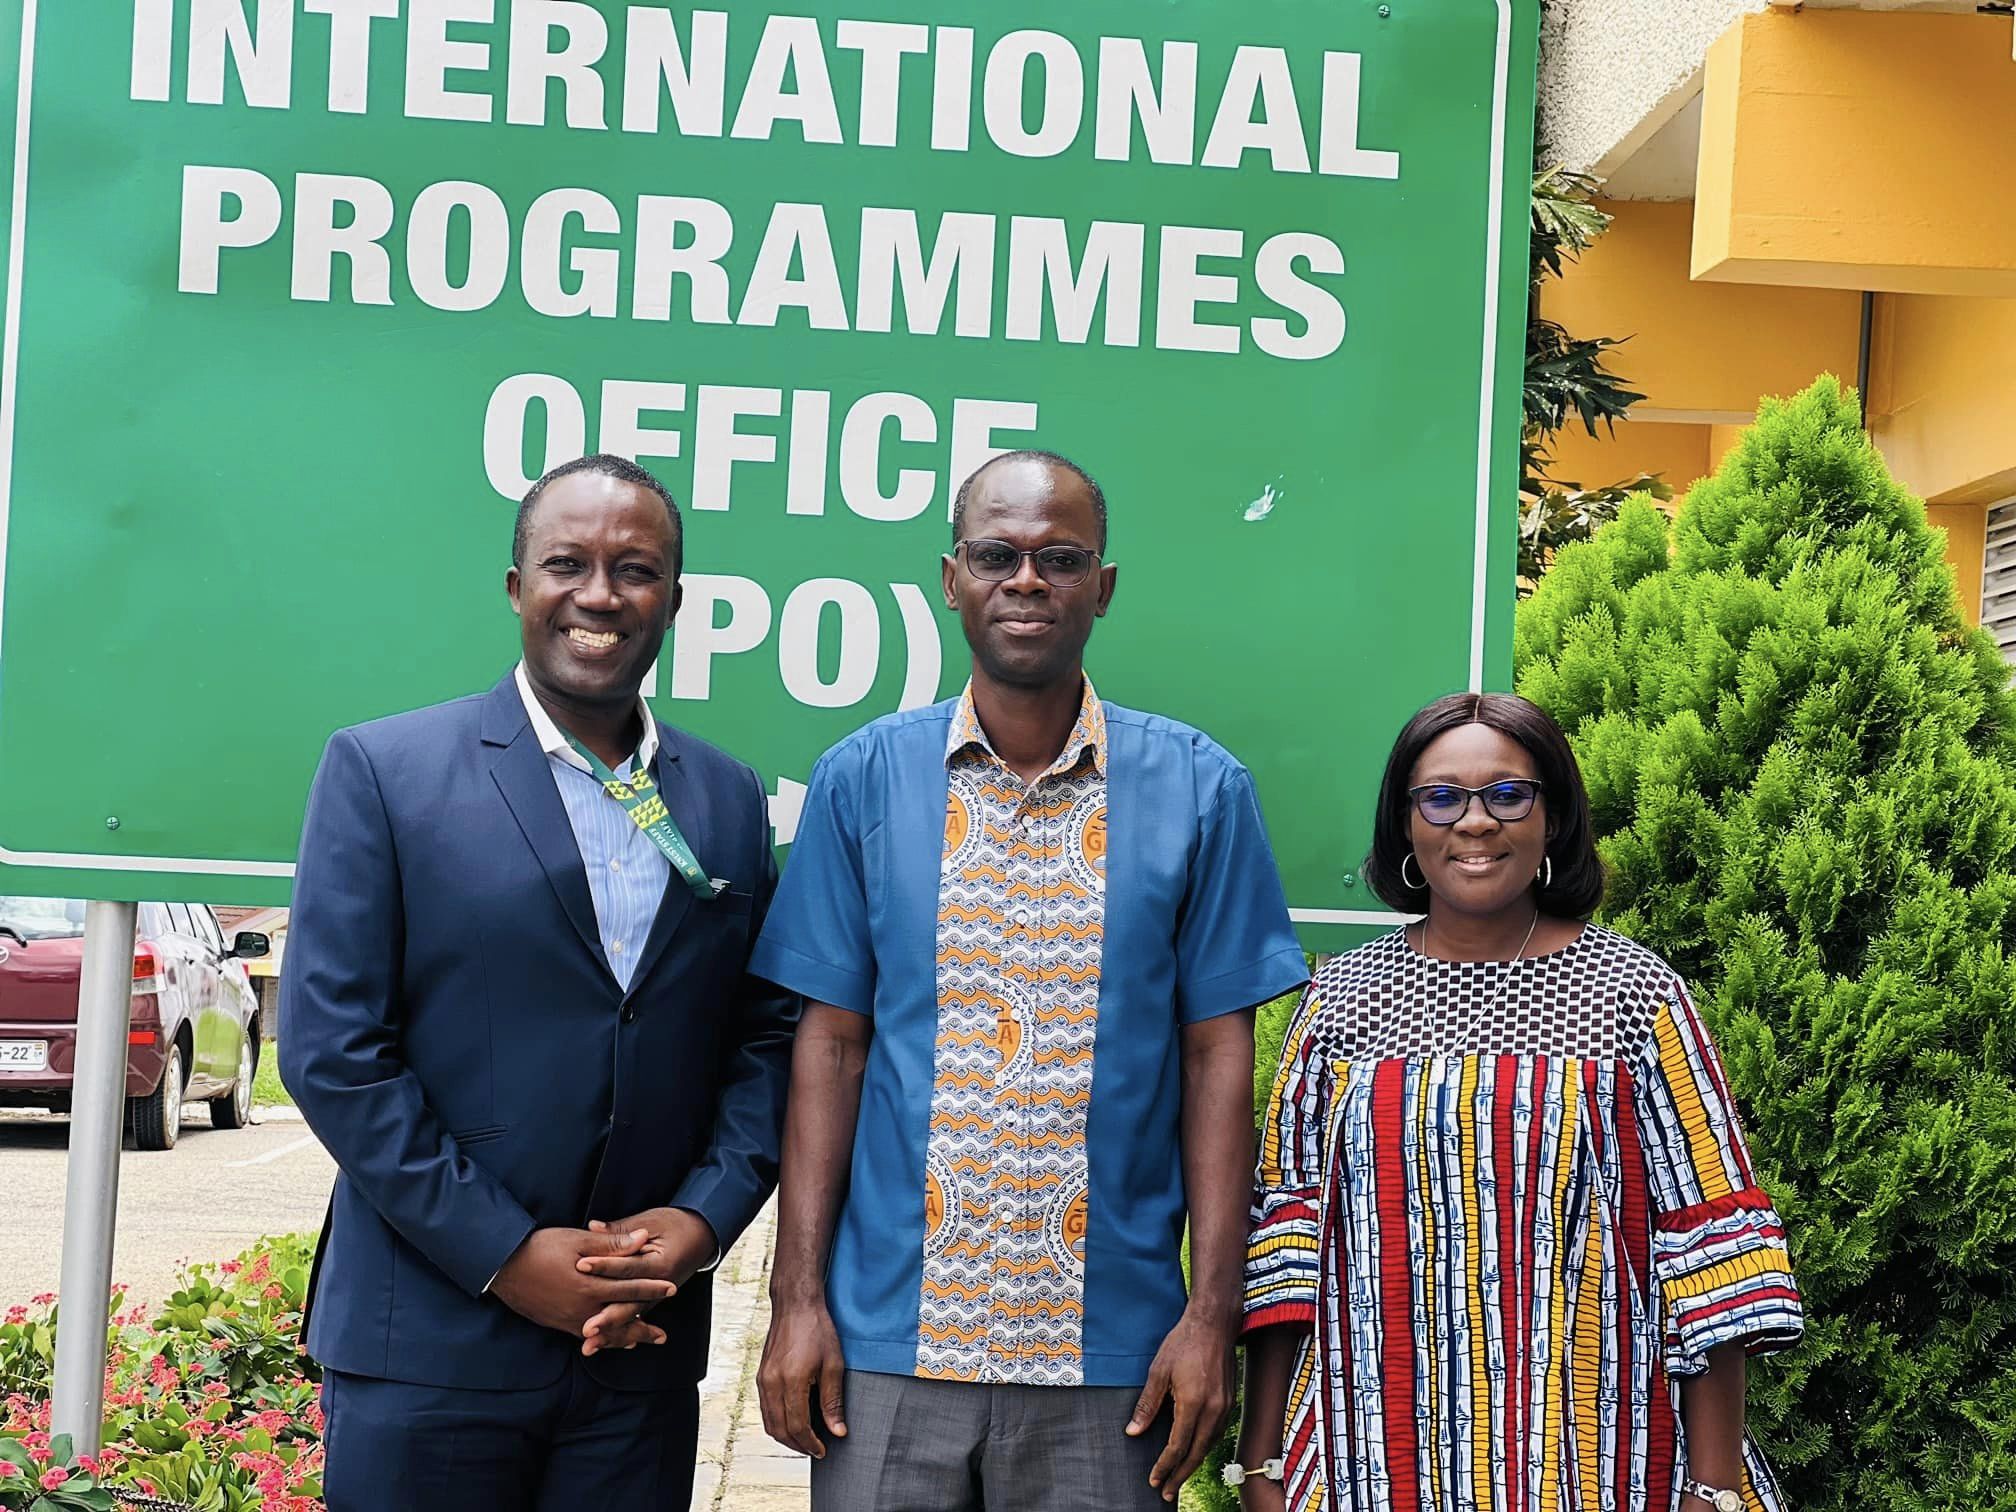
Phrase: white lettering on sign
[350,48]
[321,235]
[825,622]
[207,230]
[624,404]
[261,53]
[859,649]
[506,423]
[719,442]
[694,78]
[598,271]
[861,442]
[534,65]
[1062,110]
[1260,78]
[1039,264]
[574,253]
[701,633]
[1030,91]
[431,55]
[1128,92]
[883,45]
[790,44]
[883,436]
[1185,287]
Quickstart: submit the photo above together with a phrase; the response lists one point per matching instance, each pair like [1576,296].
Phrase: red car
[195,1027]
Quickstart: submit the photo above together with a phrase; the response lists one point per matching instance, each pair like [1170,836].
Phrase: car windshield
[42,918]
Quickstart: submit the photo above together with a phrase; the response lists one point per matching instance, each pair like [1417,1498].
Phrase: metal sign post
[91,1198]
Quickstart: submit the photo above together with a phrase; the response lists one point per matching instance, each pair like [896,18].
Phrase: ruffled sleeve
[1718,1246]
[1281,1257]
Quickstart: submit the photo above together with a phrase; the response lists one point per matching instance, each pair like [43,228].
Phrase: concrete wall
[1612,72]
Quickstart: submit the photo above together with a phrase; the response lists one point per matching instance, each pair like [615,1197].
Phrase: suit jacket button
[629,1014]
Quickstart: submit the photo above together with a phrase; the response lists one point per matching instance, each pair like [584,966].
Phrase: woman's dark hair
[1577,882]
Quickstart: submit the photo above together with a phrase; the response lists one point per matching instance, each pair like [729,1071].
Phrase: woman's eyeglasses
[997,561]
[1444,803]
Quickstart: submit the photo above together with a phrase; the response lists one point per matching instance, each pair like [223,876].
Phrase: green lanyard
[640,800]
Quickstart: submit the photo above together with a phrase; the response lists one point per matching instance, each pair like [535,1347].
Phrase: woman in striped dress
[1509,1251]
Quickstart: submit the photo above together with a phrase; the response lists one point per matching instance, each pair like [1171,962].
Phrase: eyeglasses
[997,562]
[1444,803]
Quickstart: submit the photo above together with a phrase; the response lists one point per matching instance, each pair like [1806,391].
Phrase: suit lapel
[678,901]
[523,777]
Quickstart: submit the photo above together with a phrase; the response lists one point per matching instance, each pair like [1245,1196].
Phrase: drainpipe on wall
[1862,356]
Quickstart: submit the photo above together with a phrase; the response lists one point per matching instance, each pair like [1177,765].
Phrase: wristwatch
[1721,1501]
[1236,1474]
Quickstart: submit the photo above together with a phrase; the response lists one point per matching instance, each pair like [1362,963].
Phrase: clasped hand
[597,1283]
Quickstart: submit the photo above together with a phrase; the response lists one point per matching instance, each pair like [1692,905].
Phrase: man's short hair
[620,468]
[1055,459]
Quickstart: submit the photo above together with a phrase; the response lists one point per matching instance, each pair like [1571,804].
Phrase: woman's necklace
[1504,986]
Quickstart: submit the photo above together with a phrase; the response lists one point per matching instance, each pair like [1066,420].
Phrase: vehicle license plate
[24,1055]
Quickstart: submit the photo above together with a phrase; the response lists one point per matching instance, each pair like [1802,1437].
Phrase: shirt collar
[554,743]
[1089,733]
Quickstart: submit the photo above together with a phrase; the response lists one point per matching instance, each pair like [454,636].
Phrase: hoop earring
[1546,872]
[1422,885]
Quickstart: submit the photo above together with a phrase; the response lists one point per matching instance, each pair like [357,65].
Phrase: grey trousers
[946,1446]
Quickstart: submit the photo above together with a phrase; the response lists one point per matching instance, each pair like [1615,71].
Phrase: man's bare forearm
[828,1058]
[1217,1126]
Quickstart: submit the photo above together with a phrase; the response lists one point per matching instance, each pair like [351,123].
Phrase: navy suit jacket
[452,1032]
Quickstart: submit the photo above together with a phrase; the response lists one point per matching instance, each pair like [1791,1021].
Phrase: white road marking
[287,1149]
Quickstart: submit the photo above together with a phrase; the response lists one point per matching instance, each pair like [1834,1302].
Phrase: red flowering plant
[209,1402]
[39,1473]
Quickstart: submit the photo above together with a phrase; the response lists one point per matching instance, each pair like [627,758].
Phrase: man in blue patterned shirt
[1030,926]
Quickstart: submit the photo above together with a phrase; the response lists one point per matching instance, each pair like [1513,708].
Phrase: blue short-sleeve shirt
[1029,953]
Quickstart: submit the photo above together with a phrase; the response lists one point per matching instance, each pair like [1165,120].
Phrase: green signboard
[301,293]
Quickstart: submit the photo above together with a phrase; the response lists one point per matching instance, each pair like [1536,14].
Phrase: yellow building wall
[1943,394]
[1853,150]
[1677,453]
[1701,353]
[1966,527]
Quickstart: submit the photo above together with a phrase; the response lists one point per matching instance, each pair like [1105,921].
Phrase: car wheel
[234,1109]
[157,1118]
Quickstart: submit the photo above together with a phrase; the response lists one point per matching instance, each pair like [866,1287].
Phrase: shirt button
[617,946]
[615,866]
[1021,916]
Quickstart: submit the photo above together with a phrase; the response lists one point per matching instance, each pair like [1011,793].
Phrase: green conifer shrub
[1803,769]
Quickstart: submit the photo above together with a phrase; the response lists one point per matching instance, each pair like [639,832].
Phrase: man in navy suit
[516,1013]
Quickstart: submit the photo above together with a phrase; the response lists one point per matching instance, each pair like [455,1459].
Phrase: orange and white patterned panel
[1022,890]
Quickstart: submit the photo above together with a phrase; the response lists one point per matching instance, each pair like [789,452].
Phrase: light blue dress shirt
[627,873]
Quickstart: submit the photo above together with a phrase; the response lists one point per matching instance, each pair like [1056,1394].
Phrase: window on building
[1998,579]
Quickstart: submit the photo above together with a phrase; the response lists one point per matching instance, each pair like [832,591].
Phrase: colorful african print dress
[1512,1226]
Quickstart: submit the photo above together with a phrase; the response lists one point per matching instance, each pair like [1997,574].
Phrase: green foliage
[210,1403]
[1566,380]
[44,1474]
[1563,513]
[1803,770]
[268,1091]
[1204,1491]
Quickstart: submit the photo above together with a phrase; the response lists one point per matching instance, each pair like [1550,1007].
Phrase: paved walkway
[742,1469]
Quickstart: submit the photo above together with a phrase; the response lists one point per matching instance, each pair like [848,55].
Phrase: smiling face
[597,590]
[1479,865]
[1025,632]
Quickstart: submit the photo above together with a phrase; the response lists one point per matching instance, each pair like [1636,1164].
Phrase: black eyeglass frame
[1092,560]
[1472,795]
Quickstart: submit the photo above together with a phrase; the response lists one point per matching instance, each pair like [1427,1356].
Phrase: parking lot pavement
[206,1199]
